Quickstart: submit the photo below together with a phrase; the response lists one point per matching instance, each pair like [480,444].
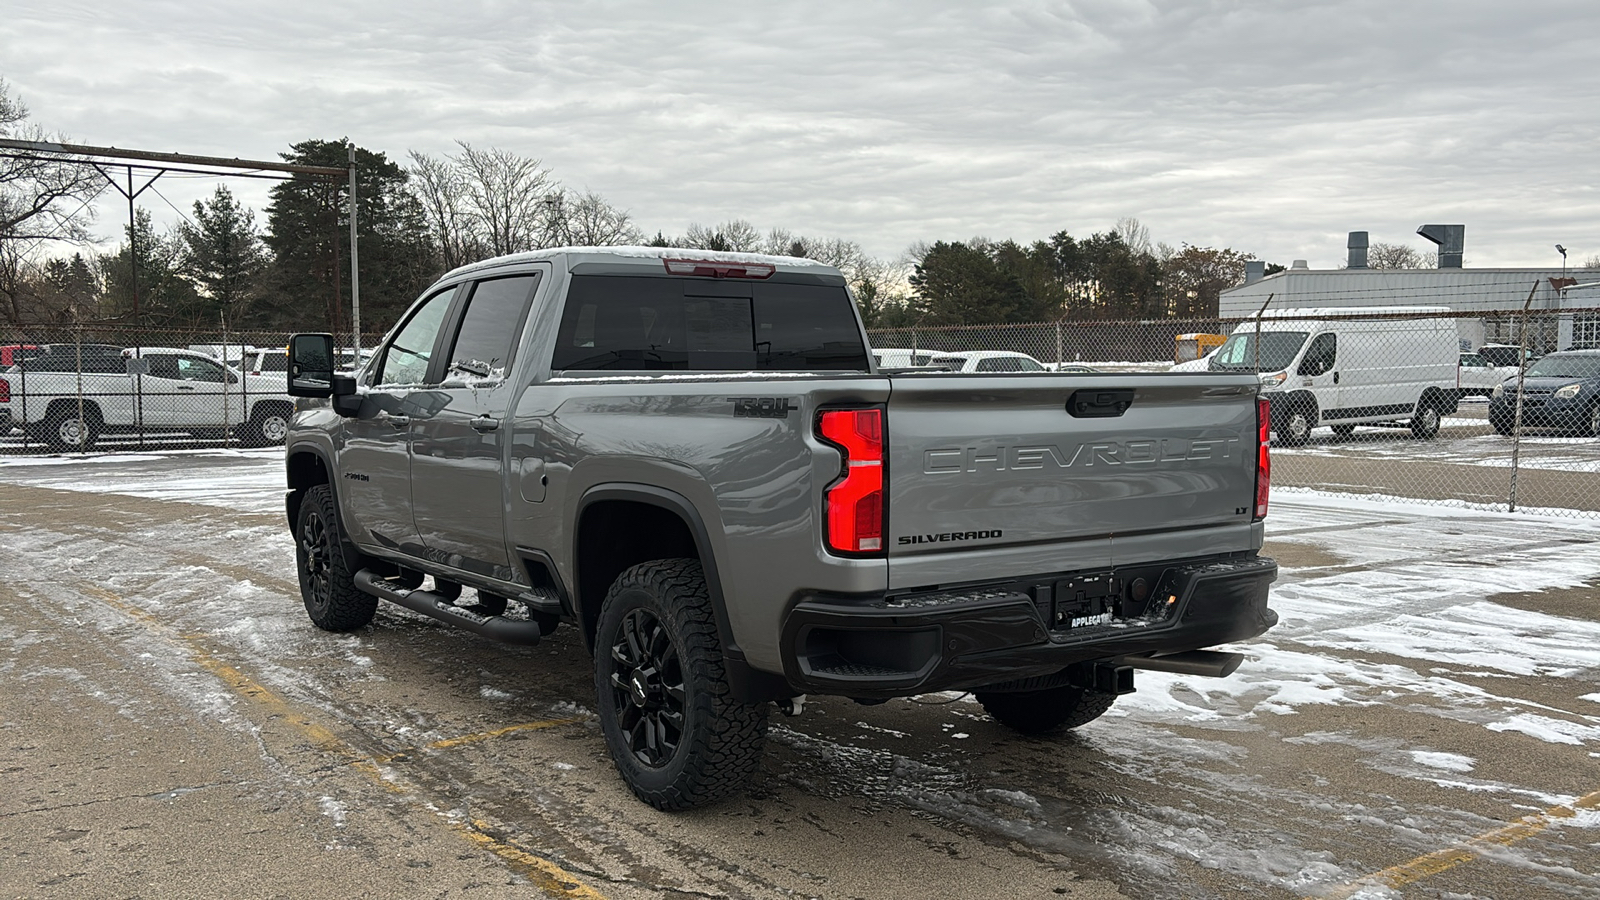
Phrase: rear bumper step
[1207,663]
[497,628]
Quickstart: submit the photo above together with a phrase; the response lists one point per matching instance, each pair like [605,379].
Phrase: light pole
[1563,251]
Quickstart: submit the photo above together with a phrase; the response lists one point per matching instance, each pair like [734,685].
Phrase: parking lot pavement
[1424,722]
[1467,464]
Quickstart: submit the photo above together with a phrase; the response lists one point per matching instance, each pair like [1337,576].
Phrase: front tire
[1294,430]
[677,735]
[327,585]
[1046,711]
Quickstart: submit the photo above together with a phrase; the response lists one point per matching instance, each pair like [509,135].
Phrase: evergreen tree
[223,255]
[143,283]
[960,285]
[308,282]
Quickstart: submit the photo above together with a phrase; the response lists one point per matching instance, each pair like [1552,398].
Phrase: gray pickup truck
[691,458]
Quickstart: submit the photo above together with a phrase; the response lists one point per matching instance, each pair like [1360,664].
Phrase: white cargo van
[1349,366]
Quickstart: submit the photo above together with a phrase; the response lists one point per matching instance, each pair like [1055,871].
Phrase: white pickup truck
[62,400]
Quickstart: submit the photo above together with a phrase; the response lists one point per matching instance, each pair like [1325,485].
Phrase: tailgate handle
[1095,403]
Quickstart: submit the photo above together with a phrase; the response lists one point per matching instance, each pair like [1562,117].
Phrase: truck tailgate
[1055,473]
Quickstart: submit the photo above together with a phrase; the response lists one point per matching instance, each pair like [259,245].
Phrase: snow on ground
[247,481]
[1400,615]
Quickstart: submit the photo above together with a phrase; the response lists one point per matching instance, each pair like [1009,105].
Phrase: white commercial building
[1493,299]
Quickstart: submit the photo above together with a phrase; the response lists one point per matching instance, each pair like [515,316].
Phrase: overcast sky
[1271,128]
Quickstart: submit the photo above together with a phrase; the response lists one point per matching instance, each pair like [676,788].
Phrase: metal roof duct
[1357,245]
[1254,270]
[1450,239]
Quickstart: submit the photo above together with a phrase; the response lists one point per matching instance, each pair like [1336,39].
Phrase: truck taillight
[5,391]
[1264,455]
[854,503]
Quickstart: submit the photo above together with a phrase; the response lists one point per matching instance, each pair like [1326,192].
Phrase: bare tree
[505,193]
[442,191]
[587,220]
[42,201]
[1135,236]
[1395,256]
[737,236]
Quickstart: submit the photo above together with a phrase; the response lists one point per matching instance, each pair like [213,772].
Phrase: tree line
[288,269]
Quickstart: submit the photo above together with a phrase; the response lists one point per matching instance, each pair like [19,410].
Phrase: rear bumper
[963,639]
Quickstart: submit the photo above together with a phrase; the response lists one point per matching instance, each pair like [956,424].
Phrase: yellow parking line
[550,878]
[1431,864]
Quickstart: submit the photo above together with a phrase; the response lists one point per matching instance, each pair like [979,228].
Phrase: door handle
[485,424]
[1336,378]
[184,387]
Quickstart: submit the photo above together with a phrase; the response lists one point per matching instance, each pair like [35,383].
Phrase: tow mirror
[311,365]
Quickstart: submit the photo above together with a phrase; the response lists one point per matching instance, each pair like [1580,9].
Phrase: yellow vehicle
[1194,346]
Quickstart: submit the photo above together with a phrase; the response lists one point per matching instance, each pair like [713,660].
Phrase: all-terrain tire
[677,735]
[1500,424]
[269,424]
[327,584]
[1046,711]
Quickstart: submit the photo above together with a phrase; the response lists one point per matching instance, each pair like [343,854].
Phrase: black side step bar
[497,628]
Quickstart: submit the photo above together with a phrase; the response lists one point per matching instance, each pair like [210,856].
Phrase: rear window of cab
[664,323]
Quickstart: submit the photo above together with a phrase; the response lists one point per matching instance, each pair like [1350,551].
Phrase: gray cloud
[1271,128]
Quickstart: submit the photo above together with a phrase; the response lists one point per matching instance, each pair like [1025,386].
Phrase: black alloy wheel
[647,690]
[316,550]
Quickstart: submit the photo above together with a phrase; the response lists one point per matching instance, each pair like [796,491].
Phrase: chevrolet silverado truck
[68,396]
[692,459]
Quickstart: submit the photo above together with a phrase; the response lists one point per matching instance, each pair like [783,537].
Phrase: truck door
[375,481]
[459,435]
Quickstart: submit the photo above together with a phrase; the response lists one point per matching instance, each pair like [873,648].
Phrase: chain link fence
[102,388]
[1425,407]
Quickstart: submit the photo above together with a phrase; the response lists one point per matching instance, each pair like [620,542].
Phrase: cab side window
[407,357]
[490,326]
[1322,354]
[162,365]
[191,369]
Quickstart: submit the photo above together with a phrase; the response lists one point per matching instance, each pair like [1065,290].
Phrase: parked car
[1476,376]
[1505,355]
[273,361]
[11,354]
[898,358]
[1561,390]
[1324,366]
[140,390]
[86,358]
[987,361]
